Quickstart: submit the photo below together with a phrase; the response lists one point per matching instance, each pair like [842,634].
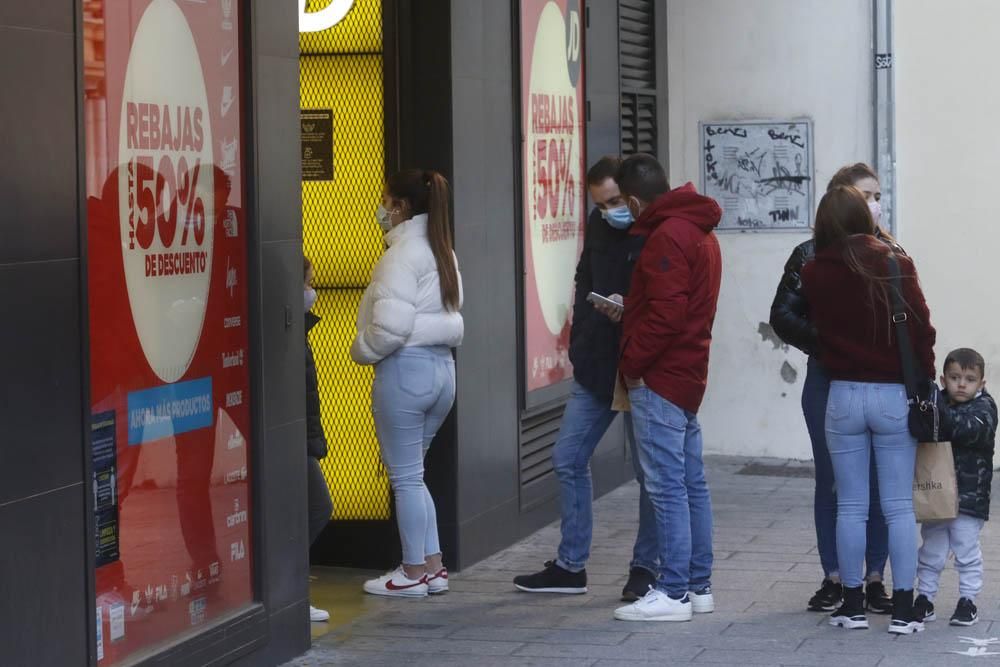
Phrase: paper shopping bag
[620,402]
[935,488]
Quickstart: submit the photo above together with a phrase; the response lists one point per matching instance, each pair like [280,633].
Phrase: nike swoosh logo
[393,587]
[226,56]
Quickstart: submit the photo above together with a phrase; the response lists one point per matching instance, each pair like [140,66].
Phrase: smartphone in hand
[597,299]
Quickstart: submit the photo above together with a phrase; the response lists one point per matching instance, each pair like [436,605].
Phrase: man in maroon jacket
[666,334]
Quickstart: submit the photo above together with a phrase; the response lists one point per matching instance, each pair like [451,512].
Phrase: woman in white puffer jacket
[408,323]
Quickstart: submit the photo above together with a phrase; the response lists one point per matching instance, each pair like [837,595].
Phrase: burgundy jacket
[857,338]
[670,309]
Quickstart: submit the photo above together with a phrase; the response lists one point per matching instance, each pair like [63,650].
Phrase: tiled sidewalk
[765,570]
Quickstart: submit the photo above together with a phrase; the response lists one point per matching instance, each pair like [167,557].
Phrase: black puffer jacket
[315,438]
[972,443]
[605,267]
[789,310]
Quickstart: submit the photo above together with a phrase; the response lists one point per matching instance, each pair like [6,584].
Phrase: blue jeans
[412,395]
[670,449]
[814,395]
[584,423]
[862,417]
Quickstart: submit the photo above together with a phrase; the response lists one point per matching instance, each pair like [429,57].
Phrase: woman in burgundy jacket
[849,294]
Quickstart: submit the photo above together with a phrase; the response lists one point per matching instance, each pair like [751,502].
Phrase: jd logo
[573,43]
[319,21]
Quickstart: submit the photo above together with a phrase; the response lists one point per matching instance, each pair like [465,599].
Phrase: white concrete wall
[740,59]
[948,152]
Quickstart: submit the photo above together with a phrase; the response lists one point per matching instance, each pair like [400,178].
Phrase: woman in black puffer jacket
[790,321]
[320,504]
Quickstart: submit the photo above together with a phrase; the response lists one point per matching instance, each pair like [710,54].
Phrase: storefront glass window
[553,181]
[169,377]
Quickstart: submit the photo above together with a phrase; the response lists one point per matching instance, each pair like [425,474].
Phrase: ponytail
[427,192]
[439,234]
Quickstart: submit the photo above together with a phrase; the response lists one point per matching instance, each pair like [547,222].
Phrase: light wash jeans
[584,423]
[960,536]
[670,452]
[862,417]
[815,391]
[412,395]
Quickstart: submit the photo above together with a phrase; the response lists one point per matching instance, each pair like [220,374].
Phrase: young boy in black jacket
[974,415]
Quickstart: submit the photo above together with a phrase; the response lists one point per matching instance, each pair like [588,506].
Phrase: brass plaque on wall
[317,144]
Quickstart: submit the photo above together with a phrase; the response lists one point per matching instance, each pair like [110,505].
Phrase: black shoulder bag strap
[920,406]
[899,318]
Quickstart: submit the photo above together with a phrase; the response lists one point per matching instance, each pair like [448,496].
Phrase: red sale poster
[167,255]
[552,82]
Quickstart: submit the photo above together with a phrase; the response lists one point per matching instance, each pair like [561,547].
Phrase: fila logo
[324,18]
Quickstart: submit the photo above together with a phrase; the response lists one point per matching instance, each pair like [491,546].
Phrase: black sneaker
[640,580]
[851,614]
[923,609]
[876,599]
[828,596]
[553,579]
[904,619]
[965,613]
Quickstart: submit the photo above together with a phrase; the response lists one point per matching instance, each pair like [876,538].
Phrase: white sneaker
[437,583]
[702,603]
[397,584]
[656,606]
[318,615]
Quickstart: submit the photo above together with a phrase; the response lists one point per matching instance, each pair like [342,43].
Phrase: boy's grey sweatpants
[960,536]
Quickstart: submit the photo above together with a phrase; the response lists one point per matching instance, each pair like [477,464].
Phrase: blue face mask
[619,217]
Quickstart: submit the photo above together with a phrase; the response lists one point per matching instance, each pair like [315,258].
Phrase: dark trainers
[553,579]
[876,599]
[923,609]
[640,580]
[828,596]
[904,619]
[851,614]
[965,613]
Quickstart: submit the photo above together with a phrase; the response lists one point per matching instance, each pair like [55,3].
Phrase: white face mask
[876,208]
[384,219]
[309,298]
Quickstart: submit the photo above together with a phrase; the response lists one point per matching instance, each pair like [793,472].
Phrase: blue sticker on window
[169,410]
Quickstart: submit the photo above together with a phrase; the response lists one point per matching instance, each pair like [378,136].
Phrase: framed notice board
[760,172]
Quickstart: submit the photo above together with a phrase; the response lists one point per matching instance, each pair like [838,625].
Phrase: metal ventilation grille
[340,69]
[637,74]
[638,118]
[539,433]
[637,44]
[338,216]
[353,469]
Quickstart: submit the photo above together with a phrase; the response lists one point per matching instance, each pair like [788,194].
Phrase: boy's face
[962,384]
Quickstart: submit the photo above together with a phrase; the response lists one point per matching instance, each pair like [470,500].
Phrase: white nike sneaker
[437,583]
[397,584]
[656,606]
[318,615]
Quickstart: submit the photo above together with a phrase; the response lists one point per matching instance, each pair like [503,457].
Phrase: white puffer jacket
[402,306]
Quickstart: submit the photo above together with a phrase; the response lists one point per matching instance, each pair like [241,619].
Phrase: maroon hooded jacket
[670,309]
[857,339]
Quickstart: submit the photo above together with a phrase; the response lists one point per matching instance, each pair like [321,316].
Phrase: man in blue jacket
[605,267]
